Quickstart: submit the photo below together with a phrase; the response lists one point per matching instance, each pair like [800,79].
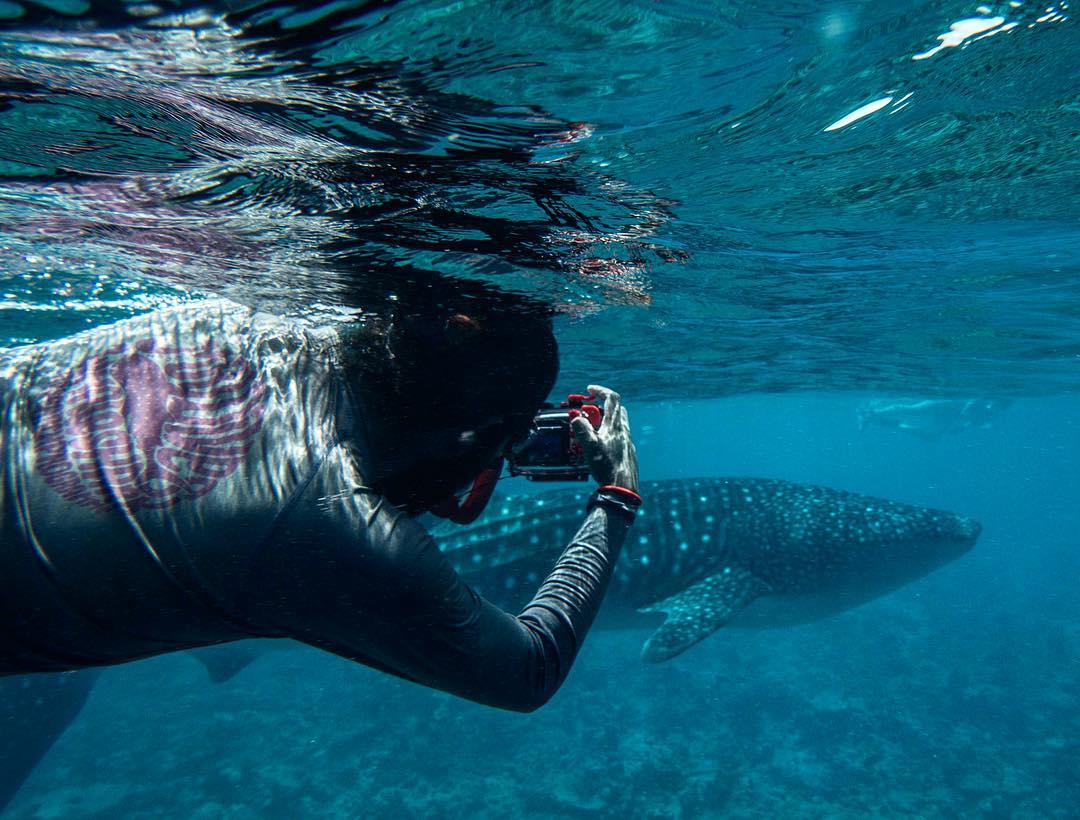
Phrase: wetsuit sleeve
[371,584]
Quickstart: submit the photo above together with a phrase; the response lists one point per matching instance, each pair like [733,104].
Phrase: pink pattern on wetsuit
[146,425]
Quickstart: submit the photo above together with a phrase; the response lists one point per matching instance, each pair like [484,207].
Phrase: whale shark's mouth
[970,529]
[964,533]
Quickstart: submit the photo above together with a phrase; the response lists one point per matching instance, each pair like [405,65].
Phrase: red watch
[619,500]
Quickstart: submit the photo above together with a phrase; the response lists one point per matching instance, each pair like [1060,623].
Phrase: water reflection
[195,152]
[732,197]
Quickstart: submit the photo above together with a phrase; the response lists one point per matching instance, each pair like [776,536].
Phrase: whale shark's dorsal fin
[699,610]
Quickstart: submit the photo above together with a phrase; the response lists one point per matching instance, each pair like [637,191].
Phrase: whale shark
[706,553]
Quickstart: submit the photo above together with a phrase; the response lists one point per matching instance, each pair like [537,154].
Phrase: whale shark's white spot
[709,519]
[510,582]
[684,546]
[477,558]
[532,577]
[534,539]
[643,540]
[540,503]
[706,538]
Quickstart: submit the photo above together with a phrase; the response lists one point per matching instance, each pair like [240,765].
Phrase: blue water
[955,696]
[728,245]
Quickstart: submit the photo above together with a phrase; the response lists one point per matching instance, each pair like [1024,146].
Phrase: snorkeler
[209,473]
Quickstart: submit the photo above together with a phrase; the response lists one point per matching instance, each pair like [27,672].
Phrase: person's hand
[609,451]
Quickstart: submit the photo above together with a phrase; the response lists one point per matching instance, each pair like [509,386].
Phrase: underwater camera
[550,451]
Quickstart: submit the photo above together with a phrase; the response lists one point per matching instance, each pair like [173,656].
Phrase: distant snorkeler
[209,473]
[930,418]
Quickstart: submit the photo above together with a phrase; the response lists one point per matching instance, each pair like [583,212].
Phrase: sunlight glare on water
[733,197]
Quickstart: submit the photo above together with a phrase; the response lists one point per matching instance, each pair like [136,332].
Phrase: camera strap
[476,499]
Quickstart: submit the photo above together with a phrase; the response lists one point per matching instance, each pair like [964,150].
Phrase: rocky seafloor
[924,704]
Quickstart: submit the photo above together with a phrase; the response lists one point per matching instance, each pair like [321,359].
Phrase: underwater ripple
[718,198]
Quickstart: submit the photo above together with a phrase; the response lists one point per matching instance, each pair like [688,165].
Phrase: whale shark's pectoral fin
[699,610]
[224,662]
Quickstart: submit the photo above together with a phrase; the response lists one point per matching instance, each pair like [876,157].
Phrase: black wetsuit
[195,476]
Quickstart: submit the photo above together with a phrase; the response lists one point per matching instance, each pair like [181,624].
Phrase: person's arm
[370,584]
[399,606]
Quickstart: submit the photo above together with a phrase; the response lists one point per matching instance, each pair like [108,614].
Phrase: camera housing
[551,451]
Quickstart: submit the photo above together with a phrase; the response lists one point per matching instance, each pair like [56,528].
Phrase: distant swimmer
[930,418]
[209,473]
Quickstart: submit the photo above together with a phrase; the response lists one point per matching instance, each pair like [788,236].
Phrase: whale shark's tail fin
[699,610]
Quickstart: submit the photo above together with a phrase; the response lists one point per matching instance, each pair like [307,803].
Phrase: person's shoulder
[116,334]
[235,324]
[294,336]
[313,330]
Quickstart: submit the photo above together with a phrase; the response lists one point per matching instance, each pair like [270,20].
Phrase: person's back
[209,473]
[140,463]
